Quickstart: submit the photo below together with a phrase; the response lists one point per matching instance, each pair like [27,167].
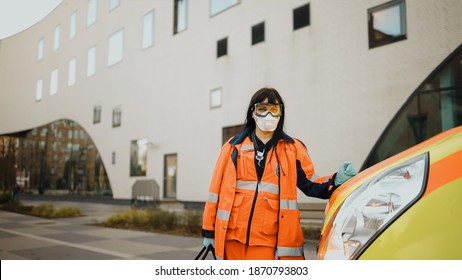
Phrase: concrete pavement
[33,238]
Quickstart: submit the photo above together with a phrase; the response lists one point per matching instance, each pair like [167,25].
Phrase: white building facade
[173,75]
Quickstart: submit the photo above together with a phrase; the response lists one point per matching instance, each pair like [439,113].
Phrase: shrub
[193,221]
[46,210]
[163,220]
[5,198]
[311,233]
[157,220]
[67,212]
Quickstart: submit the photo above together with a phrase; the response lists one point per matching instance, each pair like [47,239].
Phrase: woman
[251,211]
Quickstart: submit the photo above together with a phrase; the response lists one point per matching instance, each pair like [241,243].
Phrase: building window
[180,17]
[258,33]
[387,23]
[230,131]
[116,117]
[97,114]
[73,25]
[218,6]
[39,90]
[40,47]
[215,98]
[222,47]
[138,157]
[113,158]
[301,16]
[113,4]
[72,70]
[54,82]
[170,175]
[57,37]
[92,12]
[148,30]
[115,48]
[91,61]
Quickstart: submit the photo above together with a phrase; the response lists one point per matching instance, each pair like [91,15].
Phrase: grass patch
[45,210]
[155,220]
[188,223]
[311,233]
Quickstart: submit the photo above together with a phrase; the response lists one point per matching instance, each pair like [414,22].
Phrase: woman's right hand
[209,241]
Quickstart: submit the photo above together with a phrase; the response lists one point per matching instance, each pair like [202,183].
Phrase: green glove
[345,172]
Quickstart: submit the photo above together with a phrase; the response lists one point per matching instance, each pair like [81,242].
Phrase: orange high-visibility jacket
[261,212]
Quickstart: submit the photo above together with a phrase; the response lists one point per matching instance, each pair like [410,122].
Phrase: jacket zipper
[251,212]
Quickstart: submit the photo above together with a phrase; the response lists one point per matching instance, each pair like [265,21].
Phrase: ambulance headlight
[369,209]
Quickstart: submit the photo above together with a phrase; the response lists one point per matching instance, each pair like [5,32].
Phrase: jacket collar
[239,138]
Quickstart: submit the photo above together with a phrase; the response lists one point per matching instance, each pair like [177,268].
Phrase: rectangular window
[57,37]
[138,157]
[97,114]
[91,61]
[71,73]
[180,17]
[40,47]
[222,47]
[39,90]
[148,30]
[116,117]
[258,33]
[92,12]
[115,48]
[113,4]
[215,98]
[230,131]
[170,175]
[73,25]
[387,23]
[54,82]
[301,16]
[218,6]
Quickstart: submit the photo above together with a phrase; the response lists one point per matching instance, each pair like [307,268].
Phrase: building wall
[340,94]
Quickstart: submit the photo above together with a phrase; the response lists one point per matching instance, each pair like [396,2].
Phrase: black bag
[205,251]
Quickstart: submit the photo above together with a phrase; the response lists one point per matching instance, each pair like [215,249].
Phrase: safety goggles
[263,109]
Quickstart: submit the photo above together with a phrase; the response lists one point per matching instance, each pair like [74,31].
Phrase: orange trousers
[235,250]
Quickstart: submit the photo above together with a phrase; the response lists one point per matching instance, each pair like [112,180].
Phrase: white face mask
[267,123]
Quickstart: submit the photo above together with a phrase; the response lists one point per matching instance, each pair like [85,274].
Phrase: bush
[47,210]
[157,220]
[5,198]
[67,212]
[43,210]
[193,221]
[311,233]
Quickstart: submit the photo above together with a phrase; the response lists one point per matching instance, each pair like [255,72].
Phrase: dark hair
[274,97]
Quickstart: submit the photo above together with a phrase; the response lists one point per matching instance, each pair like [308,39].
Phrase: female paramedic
[251,211]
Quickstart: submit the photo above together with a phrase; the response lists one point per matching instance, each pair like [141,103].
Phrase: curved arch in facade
[435,106]
[58,158]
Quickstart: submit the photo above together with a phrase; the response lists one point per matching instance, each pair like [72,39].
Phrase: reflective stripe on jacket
[273,219]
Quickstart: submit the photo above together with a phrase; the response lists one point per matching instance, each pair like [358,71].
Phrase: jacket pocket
[233,218]
[271,220]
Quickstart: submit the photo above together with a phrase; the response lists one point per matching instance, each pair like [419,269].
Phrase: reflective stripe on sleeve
[288,204]
[213,197]
[223,215]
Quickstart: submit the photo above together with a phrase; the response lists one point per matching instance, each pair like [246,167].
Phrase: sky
[18,15]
